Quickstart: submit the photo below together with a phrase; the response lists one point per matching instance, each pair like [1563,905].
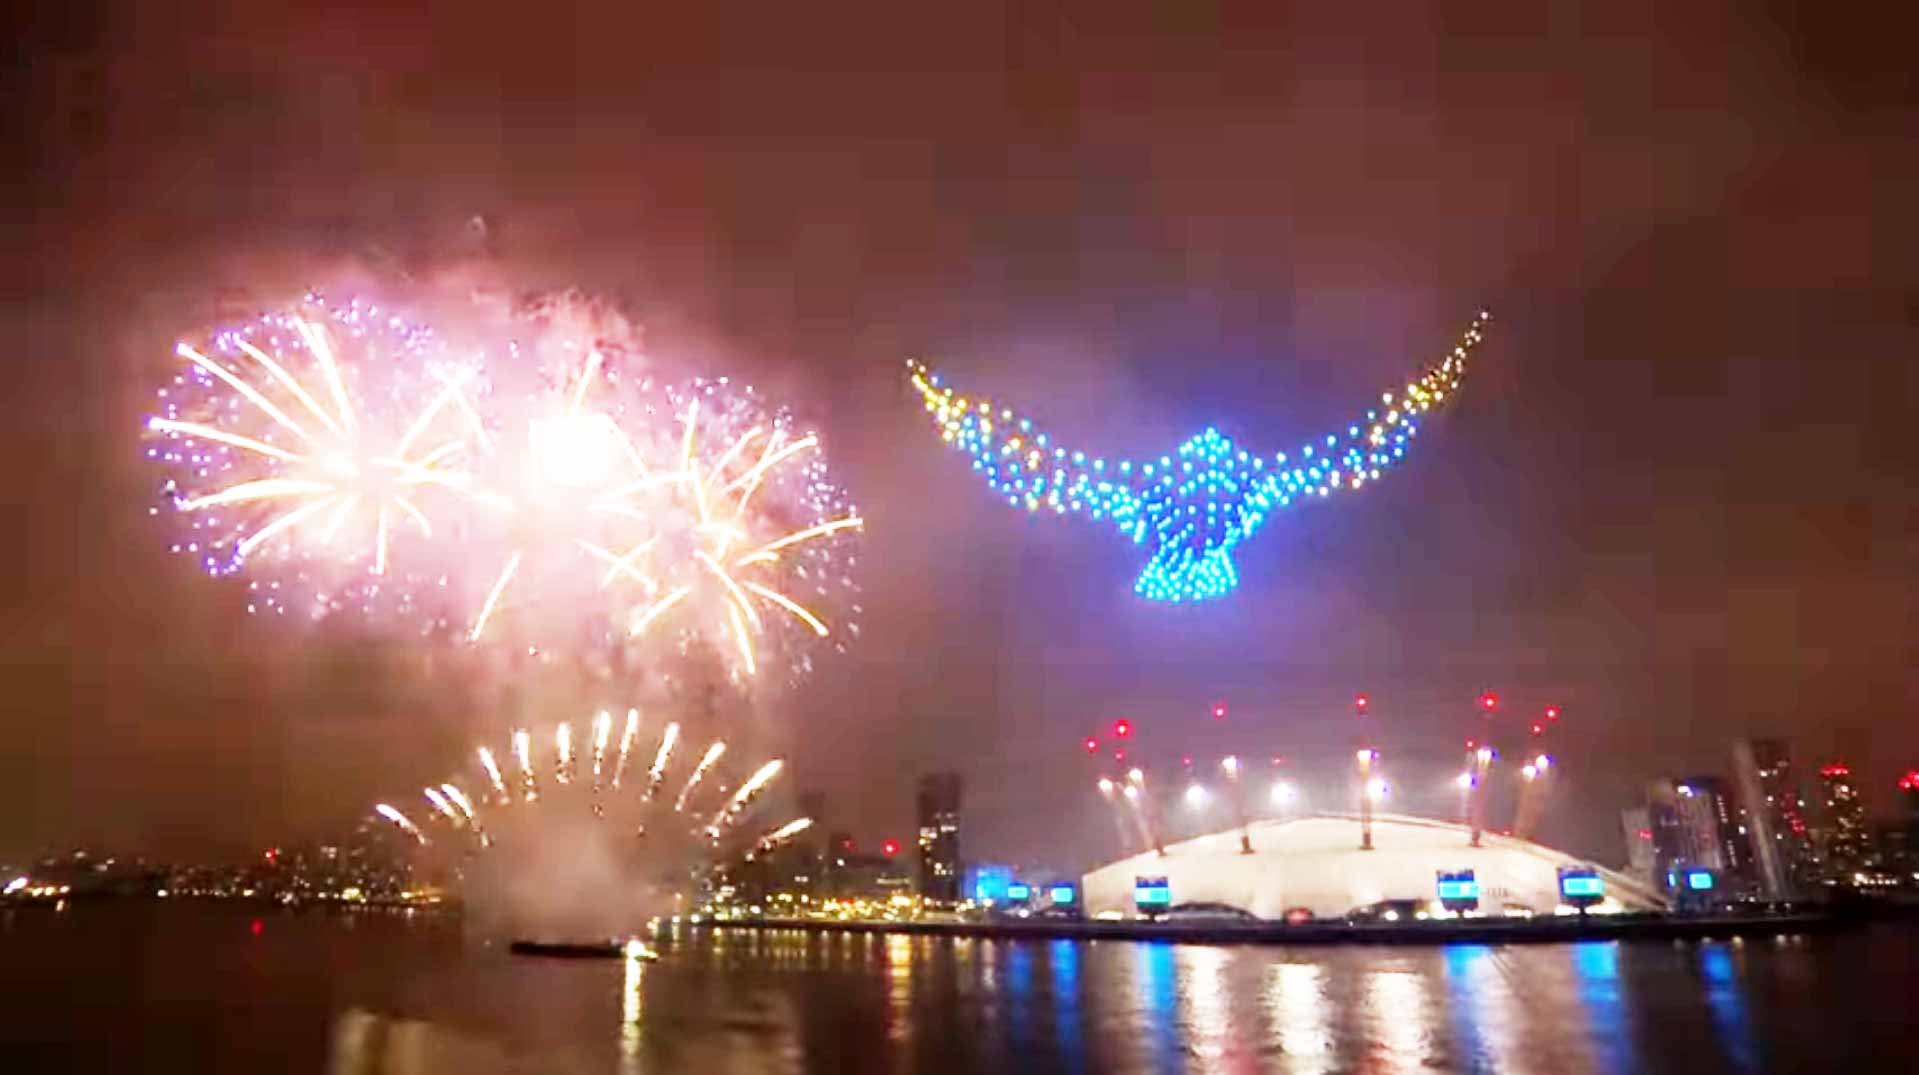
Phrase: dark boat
[583,949]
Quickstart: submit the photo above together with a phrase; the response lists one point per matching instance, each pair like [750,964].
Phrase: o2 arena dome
[1314,862]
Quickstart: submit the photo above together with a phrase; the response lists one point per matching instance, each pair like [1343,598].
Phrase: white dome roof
[1315,862]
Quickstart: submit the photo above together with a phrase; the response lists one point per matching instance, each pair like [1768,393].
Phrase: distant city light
[1195,796]
[1122,729]
[1464,780]
[890,848]
[1489,701]
[1361,702]
[1092,745]
[1283,793]
[1230,764]
[1219,711]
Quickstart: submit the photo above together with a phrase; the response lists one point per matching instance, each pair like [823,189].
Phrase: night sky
[1675,498]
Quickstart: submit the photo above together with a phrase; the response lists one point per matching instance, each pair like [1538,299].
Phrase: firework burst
[315,449]
[744,541]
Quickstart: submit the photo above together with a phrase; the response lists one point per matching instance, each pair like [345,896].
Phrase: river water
[184,987]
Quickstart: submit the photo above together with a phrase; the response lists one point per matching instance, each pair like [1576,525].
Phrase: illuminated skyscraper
[1671,847]
[1776,815]
[1636,824]
[1847,841]
[1714,836]
[939,821]
[1909,809]
[1899,839]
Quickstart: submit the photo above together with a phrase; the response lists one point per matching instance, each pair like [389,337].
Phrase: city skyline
[1666,500]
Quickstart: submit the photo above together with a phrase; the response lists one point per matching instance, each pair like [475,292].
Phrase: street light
[1195,796]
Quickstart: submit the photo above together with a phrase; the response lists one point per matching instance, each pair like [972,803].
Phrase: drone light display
[1193,506]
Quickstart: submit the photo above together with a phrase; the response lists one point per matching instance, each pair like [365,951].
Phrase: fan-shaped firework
[588,830]
[649,783]
[316,449]
[742,541]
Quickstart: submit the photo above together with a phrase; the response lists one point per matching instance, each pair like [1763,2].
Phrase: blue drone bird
[1193,507]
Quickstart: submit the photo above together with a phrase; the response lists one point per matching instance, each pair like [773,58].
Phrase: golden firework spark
[341,464]
[722,524]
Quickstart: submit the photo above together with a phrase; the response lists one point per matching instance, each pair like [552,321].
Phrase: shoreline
[1559,929]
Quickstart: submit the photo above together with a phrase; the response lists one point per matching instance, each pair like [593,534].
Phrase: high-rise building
[1718,842]
[1848,844]
[1909,814]
[1776,815]
[939,838]
[1636,824]
[1670,844]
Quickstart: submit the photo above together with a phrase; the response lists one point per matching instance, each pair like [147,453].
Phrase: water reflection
[897,958]
[1298,1011]
[1602,998]
[630,1025]
[1157,1000]
[1063,957]
[1726,999]
[1395,1003]
[1203,973]
[1484,1013]
[1020,995]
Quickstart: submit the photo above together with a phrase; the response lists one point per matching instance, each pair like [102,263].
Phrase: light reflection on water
[1485,1027]
[1299,1014]
[1395,1004]
[1720,971]
[1202,973]
[1063,958]
[631,1014]
[200,992]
